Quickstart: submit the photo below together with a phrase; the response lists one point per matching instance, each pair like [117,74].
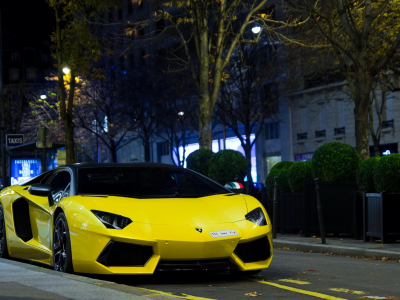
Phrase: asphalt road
[292,275]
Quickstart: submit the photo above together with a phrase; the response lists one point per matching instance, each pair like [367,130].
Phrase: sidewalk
[338,245]
[31,282]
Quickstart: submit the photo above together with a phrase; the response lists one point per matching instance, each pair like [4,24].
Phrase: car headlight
[111,220]
[257,217]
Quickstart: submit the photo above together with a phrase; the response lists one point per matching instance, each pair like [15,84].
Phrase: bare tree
[250,94]
[203,35]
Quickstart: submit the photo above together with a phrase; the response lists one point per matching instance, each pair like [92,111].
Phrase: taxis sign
[13,140]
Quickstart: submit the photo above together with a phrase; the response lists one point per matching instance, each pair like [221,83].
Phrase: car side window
[60,184]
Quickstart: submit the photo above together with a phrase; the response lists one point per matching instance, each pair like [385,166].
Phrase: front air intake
[257,250]
[117,254]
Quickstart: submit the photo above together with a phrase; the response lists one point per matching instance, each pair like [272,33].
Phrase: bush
[199,161]
[281,170]
[299,172]
[365,175]
[387,174]
[335,161]
[225,165]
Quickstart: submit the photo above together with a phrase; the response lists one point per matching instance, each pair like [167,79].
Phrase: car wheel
[62,258]
[3,238]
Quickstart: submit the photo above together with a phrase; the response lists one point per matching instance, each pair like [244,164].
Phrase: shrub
[225,165]
[335,161]
[365,175]
[281,170]
[299,172]
[199,161]
[387,174]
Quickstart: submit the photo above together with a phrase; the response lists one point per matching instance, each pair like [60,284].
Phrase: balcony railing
[388,124]
[320,133]
[340,130]
[302,136]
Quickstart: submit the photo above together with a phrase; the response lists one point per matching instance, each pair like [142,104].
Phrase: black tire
[3,237]
[62,258]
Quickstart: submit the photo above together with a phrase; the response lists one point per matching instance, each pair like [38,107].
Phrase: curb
[351,251]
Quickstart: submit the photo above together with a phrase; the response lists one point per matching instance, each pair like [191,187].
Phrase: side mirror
[39,189]
[235,187]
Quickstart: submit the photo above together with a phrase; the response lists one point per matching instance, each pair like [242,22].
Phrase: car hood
[205,210]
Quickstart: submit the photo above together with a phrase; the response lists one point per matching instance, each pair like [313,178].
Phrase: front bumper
[171,247]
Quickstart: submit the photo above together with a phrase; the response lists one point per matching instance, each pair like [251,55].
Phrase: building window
[15,56]
[120,16]
[129,4]
[14,74]
[31,74]
[272,131]
[165,149]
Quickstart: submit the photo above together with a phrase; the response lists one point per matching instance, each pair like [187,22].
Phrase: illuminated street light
[66,70]
[181,113]
[43,97]
[256,29]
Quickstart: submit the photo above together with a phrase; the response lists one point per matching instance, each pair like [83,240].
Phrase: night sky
[26,23]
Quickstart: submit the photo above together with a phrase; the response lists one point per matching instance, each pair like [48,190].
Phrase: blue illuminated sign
[23,169]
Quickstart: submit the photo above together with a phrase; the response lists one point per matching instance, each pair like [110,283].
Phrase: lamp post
[66,70]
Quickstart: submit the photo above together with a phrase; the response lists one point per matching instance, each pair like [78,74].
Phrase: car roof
[131,165]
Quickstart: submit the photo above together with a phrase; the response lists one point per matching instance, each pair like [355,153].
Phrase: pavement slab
[339,245]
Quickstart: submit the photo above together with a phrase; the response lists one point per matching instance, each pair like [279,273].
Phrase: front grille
[195,265]
[257,250]
[124,254]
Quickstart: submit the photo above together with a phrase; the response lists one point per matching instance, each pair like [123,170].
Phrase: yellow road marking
[347,291]
[296,290]
[295,281]
[184,296]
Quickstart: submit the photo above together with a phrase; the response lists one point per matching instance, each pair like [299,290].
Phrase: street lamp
[66,70]
[256,29]
[43,97]
[181,113]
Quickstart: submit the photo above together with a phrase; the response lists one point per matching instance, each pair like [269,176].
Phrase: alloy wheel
[60,245]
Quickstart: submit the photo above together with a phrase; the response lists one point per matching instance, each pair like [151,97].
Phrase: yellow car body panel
[168,225]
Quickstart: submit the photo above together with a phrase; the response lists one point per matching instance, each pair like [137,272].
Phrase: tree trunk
[113,150]
[69,143]
[205,131]
[146,146]
[363,87]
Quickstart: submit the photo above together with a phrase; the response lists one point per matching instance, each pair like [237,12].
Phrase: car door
[60,183]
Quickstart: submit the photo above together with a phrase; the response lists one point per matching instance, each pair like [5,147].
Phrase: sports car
[133,219]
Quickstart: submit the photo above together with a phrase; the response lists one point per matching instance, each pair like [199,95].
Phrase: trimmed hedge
[199,161]
[281,170]
[299,172]
[387,174]
[365,175]
[225,165]
[335,161]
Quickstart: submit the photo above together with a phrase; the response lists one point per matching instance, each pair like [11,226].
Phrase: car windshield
[146,182]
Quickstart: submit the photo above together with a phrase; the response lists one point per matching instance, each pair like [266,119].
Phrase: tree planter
[292,212]
[380,212]
[342,209]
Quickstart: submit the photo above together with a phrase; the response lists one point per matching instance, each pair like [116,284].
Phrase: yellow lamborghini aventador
[133,219]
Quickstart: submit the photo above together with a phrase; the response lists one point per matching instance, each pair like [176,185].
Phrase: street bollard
[320,215]
[275,209]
